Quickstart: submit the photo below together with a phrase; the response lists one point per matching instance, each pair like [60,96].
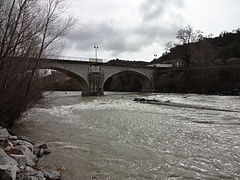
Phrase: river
[112,137]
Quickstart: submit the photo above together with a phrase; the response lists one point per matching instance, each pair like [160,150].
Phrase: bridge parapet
[83,59]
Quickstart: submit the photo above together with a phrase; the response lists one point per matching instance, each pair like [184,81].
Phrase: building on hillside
[159,65]
[177,63]
[233,61]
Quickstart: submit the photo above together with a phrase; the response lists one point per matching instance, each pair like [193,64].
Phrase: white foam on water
[105,104]
[68,145]
[95,105]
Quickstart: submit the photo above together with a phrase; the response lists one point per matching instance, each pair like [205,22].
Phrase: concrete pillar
[95,79]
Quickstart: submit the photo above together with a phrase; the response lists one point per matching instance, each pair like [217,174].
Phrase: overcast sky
[138,29]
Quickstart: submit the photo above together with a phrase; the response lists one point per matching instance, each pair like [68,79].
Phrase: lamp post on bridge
[155,56]
[96,48]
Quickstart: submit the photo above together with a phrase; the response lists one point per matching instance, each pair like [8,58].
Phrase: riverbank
[212,80]
[19,157]
[180,105]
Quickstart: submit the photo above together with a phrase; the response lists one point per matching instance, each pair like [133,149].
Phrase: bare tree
[29,30]
[169,45]
[236,30]
[188,35]
[211,35]
[52,31]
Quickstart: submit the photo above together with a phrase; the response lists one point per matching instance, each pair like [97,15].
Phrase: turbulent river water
[112,137]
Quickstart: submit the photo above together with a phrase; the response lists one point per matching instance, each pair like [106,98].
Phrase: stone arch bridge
[93,76]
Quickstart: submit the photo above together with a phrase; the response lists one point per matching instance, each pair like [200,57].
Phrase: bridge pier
[95,80]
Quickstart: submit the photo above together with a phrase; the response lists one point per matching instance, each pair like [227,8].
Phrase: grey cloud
[152,9]
[108,37]
[119,40]
[86,35]
[155,31]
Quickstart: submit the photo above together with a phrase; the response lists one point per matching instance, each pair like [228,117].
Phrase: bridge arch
[138,80]
[81,80]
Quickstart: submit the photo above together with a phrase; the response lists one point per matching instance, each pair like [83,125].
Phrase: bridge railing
[72,58]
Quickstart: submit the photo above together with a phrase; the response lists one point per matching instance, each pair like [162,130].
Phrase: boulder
[40,152]
[51,174]
[21,159]
[139,99]
[4,133]
[23,138]
[8,148]
[14,138]
[31,174]
[8,167]
[28,178]
[31,158]
[43,146]
[24,143]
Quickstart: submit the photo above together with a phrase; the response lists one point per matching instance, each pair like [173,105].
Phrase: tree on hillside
[211,35]
[235,31]
[169,45]
[29,30]
[188,35]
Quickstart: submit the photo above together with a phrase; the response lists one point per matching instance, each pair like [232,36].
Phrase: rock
[8,167]
[41,152]
[11,150]
[8,148]
[31,174]
[24,143]
[31,158]
[23,138]
[21,168]
[21,159]
[4,133]
[27,178]
[51,174]
[13,138]
[139,99]
[43,146]
[144,100]
[46,152]
[2,142]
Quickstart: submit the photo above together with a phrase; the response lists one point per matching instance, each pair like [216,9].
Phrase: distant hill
[127,62]
[206,52]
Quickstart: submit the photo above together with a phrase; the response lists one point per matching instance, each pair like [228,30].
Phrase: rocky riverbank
[19,157]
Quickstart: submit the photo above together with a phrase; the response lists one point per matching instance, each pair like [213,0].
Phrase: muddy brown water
[112,137]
